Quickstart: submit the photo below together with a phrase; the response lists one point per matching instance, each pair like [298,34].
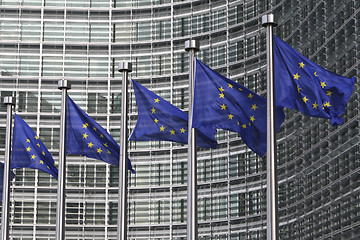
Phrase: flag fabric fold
[12,175]
[222,103]
[86,137]
[29,151]
[303,85]
[161,121]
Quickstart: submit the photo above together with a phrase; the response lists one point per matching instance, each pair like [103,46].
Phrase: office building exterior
[43,41]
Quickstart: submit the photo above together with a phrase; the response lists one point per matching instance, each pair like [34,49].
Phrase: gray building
[43,41]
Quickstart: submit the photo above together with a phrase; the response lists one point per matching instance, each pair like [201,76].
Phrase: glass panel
[30,30]
[53,31]
[77,31]
[99,32]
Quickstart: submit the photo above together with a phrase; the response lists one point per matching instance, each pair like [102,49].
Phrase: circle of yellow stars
[231,116]
[35,156]
[162,128]
[90,144]
[315,105]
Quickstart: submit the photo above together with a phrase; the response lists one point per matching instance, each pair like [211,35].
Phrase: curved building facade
[43,41]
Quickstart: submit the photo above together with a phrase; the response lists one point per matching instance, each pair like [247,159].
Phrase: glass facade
[43,41]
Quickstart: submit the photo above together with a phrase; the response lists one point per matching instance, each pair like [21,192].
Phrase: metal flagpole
[268,21]
[63,85]
[125,68]
[192,46]
[9,102]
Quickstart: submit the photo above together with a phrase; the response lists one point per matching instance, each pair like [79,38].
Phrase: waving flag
[29,151]
[160,120]
[86,137]
[222,103]
[303,85]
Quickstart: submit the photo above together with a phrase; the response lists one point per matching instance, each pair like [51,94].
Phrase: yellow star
[305,99]
[250,96]
[162,128]
[240,89]
[296,76]
[329,93]
[38,144]
[36,137]
[28,149]
[48,167]
[252,118]
[298,88]
[230,116]
[156,120]
[322,84]
[95,129]
[221,89]
[254,107]
[106,145]
[99,150]
[237,122]
[327,104]
[182,130]
[157,100]
[33,156]
[315,74]
[43,153]
[102,136]
[315,105]
[108,152]
[243,126]
[301,64]
[90,144]
[28,140]
[172,132]
[41,162]
[85,125]
[153,110]
[223,107]
[230,86]
[221,95]
[85,135]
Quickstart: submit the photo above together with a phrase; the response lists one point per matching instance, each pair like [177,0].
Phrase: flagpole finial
[125,66]
[192,44]
[9,100]
[64,84]
[268,19]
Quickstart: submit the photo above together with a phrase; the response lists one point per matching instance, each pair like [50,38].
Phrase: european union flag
[303,85]
[29,151]
[86,137]
[225,104]
[160,120]
[12,175]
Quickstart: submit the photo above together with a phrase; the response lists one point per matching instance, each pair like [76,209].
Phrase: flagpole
[268,21]
[63,85]
[192,46]
[9,102]
[125,68]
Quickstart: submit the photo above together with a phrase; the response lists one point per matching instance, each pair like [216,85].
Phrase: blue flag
[86,137]
[160,120]
[225,104]
[12,175]
[303,85]
[29,151]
